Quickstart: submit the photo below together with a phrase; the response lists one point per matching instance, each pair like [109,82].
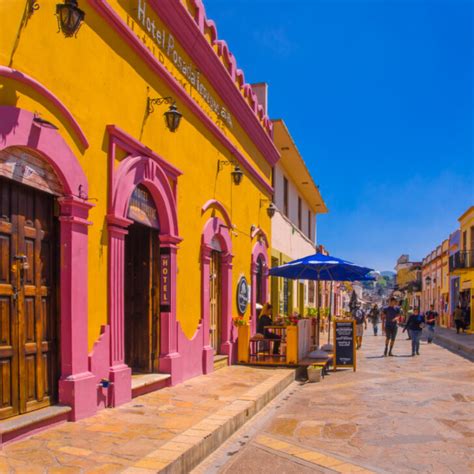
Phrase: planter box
[243,344]
[314,375]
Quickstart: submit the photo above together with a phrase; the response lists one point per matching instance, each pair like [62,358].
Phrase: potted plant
[315,372]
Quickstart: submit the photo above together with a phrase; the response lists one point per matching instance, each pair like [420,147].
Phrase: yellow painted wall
[101,81]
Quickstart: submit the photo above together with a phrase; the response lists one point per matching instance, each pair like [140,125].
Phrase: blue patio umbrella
[321,267]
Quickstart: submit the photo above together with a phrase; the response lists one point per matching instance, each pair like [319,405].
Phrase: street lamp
[172,115]
[70,17]
[428,280]
[271,209]
[237,174]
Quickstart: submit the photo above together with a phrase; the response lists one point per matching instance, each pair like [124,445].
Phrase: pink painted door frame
[152,172]
[77,385]
[215,228]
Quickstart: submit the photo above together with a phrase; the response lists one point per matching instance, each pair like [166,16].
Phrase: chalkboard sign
[344,344]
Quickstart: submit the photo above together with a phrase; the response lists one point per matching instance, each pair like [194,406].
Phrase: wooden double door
[28,306]
[142,310]
[215,299]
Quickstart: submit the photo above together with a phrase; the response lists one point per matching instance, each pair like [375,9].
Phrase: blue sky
[378,96]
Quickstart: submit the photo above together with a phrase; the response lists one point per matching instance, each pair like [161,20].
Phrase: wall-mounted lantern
[271,209]
[237,174]
[428,280]
[172,115]
[70,17]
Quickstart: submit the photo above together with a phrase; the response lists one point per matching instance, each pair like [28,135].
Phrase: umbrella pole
[318,321]
[331,296]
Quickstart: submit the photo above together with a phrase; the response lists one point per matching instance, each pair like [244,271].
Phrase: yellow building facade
[462,264]
[128,247]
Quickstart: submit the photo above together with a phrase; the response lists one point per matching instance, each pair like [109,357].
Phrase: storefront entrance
[215,297]
[142,306]
[28,299]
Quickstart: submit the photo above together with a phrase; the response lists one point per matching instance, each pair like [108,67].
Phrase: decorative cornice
[269,151]
[15,75]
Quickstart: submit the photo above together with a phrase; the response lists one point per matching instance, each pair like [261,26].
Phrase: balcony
[461,260]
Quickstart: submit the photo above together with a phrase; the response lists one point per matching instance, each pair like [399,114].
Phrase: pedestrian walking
[391,315]
[430,319]
[459,318]
[374,317]
[410,312]
[361,322]
[415,324]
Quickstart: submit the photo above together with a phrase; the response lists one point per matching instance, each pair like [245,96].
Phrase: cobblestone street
[395,414]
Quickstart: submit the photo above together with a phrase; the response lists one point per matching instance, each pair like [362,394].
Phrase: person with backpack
[430,318]
[374,318]
[415,324]
[361,321]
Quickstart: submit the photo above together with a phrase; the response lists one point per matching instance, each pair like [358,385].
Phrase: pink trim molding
[214,203]
[260,250]
[151,171]
[269,151]
[14,75]
[77,385]
[215,228]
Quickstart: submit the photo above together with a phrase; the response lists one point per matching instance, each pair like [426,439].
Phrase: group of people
[391,317]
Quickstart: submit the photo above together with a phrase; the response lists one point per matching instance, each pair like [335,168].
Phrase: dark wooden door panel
[28,360]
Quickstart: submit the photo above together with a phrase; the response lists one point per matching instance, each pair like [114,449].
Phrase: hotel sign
[165,291]
[166,43]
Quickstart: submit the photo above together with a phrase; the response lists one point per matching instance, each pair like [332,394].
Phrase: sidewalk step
[185,451]
[220,361]
[21,426]
[145,383]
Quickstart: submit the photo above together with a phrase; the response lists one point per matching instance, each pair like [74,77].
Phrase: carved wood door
[28,306]
[215,301]
[137,298]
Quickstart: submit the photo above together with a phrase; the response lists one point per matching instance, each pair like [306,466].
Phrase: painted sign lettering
[165,280]
[165,41]
[142,208]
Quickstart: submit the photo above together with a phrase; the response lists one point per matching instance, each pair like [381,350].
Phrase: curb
[188,449]
[454,346]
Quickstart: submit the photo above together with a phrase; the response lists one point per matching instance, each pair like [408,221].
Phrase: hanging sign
[344,344]
[243,295]
[142,208]
[165,293]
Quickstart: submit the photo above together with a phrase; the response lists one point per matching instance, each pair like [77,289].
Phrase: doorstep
[146,383]
[21,426]
[220,361]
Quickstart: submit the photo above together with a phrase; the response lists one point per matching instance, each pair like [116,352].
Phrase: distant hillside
[388,273]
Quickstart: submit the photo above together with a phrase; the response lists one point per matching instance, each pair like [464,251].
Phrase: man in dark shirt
[266,320]
[415,325]
[391,317]
[430,318]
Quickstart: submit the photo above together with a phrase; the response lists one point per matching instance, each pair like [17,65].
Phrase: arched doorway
[142,305]
[29,264]
[259,272]
[48,223]
[260,277]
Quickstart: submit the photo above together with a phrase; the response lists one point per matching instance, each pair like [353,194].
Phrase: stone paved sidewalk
[151,431]
[399,414]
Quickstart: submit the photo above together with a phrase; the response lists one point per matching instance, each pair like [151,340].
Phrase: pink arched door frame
[259,251]
[216,228]
[133,171]
[77,385]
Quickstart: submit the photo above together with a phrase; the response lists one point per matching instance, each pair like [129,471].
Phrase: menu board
[344,344]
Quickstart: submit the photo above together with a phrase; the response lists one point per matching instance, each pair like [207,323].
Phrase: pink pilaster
[120,374]
[228,338]
[77,386]
[208,351]
[170,359]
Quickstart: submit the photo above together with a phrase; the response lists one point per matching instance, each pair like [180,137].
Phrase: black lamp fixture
[70,17]
[428,280]
[271,209]
[237,174]
[172,115]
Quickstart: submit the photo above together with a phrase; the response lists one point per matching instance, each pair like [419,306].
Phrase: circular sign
[243,295]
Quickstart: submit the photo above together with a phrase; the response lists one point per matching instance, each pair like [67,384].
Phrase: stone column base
[172,364]
[207,359]
[121,384]
[79,391]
